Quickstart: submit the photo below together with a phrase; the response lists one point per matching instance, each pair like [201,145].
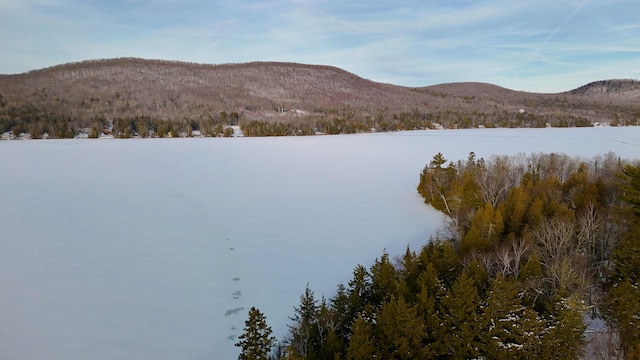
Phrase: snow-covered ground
[157,248]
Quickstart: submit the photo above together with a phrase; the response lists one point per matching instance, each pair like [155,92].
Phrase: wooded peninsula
[535,248]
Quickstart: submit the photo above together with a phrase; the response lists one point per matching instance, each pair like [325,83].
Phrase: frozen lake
[157,248]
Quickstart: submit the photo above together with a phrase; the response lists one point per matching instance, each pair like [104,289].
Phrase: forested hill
[298,97]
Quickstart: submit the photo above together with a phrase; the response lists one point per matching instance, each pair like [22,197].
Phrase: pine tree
[384,281]
[565,329]
[359,292]
[511,330]
[437,161]
[515,209]
[362,345]
[303,333]
[460,317]
[631,186]
[622,302]
[399,331]
[623,311]
[436,184]
[485,230]
[340,307]
[444,259]
[256,341]
[408,276]
[430,293]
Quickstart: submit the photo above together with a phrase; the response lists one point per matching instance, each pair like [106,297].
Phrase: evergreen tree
[430,294]
[328,343]
[399,331]
[631,186]
[384,282]
[565,330]
[445,260]
[485,231]
[459,311]
[437,161]
[437,184]
[431,290]
[511,330]
[340,308]
[623,312]
[408,276]
[359,292]
[362,345]
[515,209]
[256,341]
[622,302]
[303,331]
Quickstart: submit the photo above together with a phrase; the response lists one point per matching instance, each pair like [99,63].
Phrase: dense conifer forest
[535,246]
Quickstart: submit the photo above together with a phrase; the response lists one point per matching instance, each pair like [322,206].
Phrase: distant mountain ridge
[621,88]
[288,92]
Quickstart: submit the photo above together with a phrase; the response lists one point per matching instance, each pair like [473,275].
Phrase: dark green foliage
[459,311]
[256,341]
[531,243]
[631,186]
[485,231]
[623,311]
[303,330]
[512,330]
[622,301]
[384,282]
[399,331]
[565,329]
[363,344]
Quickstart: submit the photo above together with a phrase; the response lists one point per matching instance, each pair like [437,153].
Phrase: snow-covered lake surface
[156,249]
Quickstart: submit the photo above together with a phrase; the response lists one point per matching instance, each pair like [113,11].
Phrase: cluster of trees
[274,128]
[349,123]
[532,245]
[24,117]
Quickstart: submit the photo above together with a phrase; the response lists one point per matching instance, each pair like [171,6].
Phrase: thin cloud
[562,26]
[413,43]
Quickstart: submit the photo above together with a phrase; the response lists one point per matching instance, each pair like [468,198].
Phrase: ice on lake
[156,249]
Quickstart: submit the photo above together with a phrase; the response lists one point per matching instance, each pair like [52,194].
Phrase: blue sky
[540,46]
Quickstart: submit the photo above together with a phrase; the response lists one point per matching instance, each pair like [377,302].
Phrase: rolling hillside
[93,92]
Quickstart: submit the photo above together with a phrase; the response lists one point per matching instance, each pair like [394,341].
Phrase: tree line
[38,122]
[25,117]
[533,244]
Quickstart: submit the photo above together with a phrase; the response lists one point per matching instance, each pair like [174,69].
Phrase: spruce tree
[631,187]
[511,330]
[437,161]
[256,341]
[565,329]
[431,291]
[303,333]
[359,291]
[384,281]
[362,344]
[622,302]
[460,317]
[399,331]
[339,304]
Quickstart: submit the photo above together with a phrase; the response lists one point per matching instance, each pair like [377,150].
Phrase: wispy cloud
[412,43]
[562,26]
